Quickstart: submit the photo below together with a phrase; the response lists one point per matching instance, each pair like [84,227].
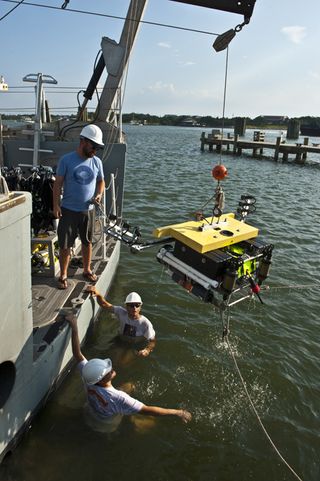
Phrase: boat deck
[46,296]
[51,304]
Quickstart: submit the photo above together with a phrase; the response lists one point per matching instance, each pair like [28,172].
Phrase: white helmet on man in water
[95,369]
[133,297]
[93,133]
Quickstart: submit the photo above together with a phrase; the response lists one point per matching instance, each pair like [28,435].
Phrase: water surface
[276,344]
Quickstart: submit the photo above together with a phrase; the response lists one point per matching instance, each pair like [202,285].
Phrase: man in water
[80,176]
[133,325]
[104,400]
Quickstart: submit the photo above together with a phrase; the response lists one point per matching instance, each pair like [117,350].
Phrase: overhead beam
[244,7]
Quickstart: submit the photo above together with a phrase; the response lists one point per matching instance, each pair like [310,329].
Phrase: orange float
[219,172]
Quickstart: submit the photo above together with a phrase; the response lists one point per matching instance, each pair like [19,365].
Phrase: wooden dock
[258,144]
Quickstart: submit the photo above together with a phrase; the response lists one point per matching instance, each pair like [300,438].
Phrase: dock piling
[299,149]
[202,140]
[305,142]
[258,136]
[235,143]
[276,150]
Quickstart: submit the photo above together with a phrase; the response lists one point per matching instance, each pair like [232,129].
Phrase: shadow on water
[276,344]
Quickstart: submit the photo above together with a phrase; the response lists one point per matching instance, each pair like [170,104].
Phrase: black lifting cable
[10,11]
[225,324]
[224,99]
[116,17]
[219,194]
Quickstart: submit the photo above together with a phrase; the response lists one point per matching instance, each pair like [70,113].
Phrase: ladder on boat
[37,132]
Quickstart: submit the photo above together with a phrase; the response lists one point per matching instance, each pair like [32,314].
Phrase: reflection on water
[276,344]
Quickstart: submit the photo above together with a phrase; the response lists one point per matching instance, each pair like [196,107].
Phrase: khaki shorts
[72,224]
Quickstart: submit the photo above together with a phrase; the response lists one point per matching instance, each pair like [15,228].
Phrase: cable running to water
[252,405]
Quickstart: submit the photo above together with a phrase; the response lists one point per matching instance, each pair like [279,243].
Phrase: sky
[273,63]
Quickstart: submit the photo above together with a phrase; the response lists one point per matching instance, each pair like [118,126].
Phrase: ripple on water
[276,344]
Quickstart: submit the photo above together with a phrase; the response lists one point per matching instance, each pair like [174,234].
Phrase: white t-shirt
[108,401]
[134,327]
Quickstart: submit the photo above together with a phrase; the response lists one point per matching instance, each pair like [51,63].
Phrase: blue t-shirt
[80,177]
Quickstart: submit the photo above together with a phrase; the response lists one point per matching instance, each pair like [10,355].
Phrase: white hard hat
[92,132]
[96,369]
[133,297]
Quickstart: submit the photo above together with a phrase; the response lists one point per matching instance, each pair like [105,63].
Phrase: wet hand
[144,352]
[92,290]
[185,416]
[72,319]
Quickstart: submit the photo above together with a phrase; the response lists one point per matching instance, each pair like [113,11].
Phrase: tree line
[196,120]
[208,121]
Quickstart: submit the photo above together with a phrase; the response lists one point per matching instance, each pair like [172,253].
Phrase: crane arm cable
[116,17]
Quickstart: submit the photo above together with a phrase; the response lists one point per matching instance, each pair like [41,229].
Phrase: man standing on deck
[80,175]
[133,325]
[106,402]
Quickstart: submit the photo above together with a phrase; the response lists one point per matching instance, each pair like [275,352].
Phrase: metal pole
[113,196]
[104,235]
[120,56]
[120,117]
[37,121]
[1,143]
[40,79]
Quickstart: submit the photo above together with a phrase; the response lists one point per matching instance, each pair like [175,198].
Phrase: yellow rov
[219,259]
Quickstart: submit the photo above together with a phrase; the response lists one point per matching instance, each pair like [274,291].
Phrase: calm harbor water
[276,344]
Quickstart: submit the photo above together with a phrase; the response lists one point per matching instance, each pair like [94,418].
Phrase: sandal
[89,276]
[62,283]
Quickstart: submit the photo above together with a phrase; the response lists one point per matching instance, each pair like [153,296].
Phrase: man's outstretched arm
[75,342]
[101,300]
[184,415]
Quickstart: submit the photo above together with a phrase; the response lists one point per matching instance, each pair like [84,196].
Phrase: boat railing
[39,79]
[4,191]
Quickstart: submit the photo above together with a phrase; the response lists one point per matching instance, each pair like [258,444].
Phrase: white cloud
[315,75]
[186,64]
[295,33]
[164,45]
[200,94]
[160,86]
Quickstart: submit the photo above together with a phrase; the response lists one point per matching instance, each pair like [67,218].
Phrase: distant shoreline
[267,122]
[257,127]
